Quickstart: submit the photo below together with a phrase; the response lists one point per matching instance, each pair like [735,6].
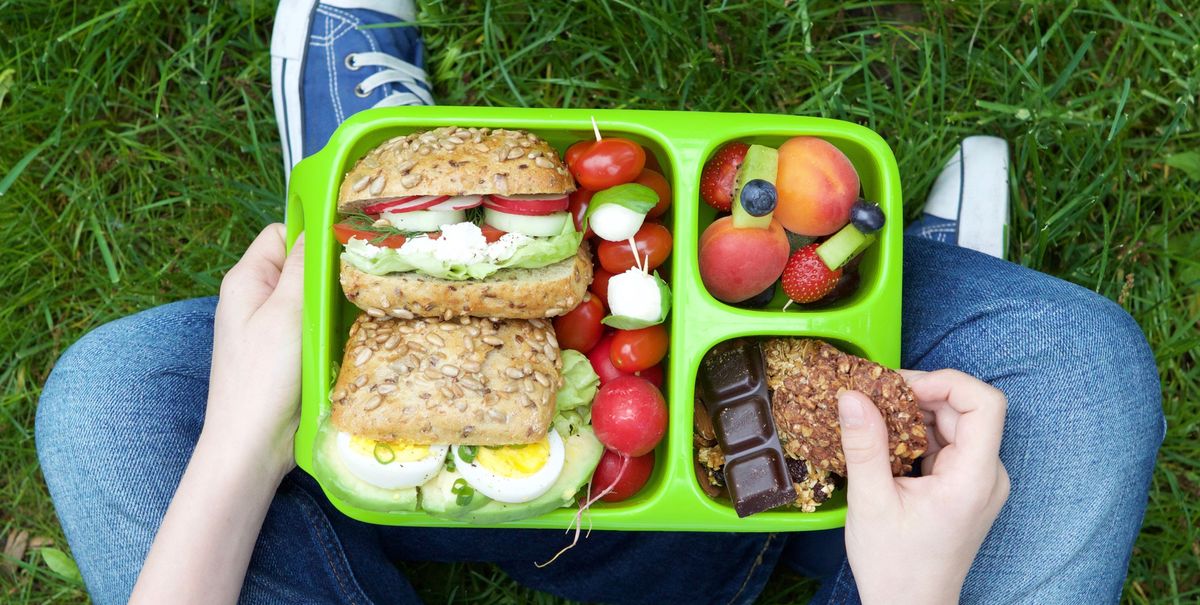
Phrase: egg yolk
[514,460]
[388,451]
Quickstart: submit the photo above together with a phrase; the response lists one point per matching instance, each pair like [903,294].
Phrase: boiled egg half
[512,473]
[390,464]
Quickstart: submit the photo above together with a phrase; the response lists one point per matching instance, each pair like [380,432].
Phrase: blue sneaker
[329,62]
[968,204]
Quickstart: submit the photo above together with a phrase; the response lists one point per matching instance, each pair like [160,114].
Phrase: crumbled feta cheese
[635,294]
[503,248]
[460,244]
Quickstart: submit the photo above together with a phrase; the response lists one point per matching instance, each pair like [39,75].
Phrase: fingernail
[850,411]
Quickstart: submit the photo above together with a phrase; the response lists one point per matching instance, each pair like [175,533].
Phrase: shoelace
[395,71]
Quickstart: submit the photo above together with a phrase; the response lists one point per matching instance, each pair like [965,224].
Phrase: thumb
[289,290]
[865,445]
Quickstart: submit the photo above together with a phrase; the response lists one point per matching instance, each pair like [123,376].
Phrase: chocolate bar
[733,386]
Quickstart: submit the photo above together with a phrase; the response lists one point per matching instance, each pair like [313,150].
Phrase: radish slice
[405,204]
[531,197]
[461,202]
[526,207]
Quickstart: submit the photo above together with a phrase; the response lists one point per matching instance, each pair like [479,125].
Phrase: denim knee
[1103,350]
[83,400]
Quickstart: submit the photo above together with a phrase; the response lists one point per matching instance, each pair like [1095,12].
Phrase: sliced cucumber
[424,220]
[543,225]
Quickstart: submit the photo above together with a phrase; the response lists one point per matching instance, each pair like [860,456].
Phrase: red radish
[458,202]
[629,416]
[405,204]
[526,207]
[531,197]
[617,486]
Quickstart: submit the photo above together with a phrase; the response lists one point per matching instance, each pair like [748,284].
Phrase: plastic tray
[868,323]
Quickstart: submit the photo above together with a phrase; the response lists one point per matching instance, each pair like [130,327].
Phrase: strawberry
[716,181]
[806,278]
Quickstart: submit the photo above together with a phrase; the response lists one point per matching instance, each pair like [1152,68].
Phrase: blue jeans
[123,408]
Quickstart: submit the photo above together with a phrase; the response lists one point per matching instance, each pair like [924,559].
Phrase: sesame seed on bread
[455,161]
[469,381]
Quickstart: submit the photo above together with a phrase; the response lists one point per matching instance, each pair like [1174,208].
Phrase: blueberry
[866,216]
[759,300]
[758,197]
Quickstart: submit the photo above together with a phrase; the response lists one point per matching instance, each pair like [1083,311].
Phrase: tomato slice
[636,350]
[344,231]
[580,328]
[653,243]
[491,233]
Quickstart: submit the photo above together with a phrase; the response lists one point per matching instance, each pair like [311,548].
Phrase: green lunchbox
[867,323]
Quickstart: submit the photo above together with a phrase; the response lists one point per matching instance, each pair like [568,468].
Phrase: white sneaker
[968,204]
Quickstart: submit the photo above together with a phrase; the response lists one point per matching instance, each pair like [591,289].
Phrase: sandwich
[461,221]
[482,420]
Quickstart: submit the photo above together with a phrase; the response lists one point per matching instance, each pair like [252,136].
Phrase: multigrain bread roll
[510,293]
[455,161]
[469,381]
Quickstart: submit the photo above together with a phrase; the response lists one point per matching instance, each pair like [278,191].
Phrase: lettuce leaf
[574,402]
[580,382]
[534,253]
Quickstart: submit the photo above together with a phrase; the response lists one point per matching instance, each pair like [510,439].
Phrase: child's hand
[254,388]
[912,539]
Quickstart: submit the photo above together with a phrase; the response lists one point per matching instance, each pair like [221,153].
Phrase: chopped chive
[460,484]
[467,452]
[384,454]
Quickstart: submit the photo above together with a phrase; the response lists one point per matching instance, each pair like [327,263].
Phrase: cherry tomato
[624,484]
[574,151]
[491,233]
[654,374]
[651,159]
[634,350]
[656,181]
[580,328]
[343,232]
[608,163]
[629,416]
[601,358]
[653,241]
[580,198]
[600,279]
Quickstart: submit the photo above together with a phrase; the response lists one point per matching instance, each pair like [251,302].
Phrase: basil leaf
[633,196]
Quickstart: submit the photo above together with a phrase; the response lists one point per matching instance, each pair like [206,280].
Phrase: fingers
[252,279]
[289,290]
[969,414]
[865,445]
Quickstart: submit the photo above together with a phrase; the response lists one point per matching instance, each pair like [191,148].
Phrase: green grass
[139,155]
